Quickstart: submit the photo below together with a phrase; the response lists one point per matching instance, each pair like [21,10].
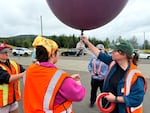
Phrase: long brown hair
[134,57]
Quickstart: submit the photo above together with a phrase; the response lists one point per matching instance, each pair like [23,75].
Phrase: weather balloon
[86,14]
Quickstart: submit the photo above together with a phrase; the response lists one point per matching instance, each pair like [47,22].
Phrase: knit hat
[50,45]
[100,46]
[123,46]
[4,47]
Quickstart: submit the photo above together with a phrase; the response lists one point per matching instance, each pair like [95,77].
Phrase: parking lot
[79,65]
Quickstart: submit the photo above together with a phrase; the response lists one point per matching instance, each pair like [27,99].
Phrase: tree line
[69,41]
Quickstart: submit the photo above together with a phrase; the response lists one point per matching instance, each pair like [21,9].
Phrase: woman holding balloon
[124,83]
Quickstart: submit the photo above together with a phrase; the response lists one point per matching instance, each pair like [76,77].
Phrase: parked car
[21,51]
[72,52]
[144,55]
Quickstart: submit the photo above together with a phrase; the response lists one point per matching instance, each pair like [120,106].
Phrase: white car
[144,55]
[21,51]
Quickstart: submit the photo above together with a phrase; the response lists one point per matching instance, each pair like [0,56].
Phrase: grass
[145,51]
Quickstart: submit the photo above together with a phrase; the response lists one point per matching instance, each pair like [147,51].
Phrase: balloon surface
[86,14]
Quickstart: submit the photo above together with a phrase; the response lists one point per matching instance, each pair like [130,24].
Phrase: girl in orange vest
[10,73]
[48,89]
[124,83]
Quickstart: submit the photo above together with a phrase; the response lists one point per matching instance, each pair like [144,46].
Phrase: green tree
[133,41]
[146,45]
[107,43]
[119,39]
[26,43]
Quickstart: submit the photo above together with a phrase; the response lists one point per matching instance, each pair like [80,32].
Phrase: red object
[86,14]
[99,105]
[4,45]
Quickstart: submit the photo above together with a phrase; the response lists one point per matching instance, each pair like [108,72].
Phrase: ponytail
[135,58]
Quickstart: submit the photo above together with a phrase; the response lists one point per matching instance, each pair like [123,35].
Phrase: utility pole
[41,25]
[144,40]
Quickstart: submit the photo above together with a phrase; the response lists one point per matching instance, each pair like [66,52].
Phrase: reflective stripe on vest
[128,87]
[69,110]
[15,66]
[129,79]
[17,72]
[135,108]
[99,68]
[94,66]
[49,92]
[4,87]
[109,68]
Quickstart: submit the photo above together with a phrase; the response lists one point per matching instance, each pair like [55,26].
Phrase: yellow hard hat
[50,45]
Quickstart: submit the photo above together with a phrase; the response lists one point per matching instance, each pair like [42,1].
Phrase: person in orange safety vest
[10,73]
[48,89]
[124,83]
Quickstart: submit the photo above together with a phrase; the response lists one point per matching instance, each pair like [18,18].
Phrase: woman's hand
[90,45]
[84,39]
[110,97]
[16,76]
[76,77]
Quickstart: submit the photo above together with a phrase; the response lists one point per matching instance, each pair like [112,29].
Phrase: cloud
[132,21]
[23,17]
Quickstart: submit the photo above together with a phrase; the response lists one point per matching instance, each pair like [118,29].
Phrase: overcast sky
[18,17]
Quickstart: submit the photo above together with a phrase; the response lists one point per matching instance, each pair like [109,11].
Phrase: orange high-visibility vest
[12,90]
[41,88]
[131,77]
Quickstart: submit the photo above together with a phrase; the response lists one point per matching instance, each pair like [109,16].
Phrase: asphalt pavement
[74,65]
